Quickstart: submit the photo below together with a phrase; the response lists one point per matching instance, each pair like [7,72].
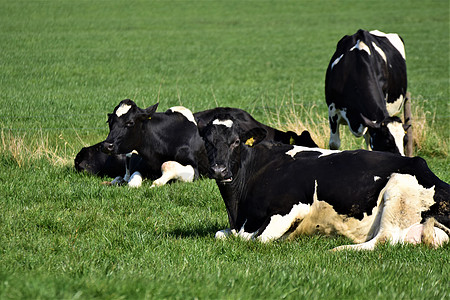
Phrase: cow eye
[129,124]
[236,143]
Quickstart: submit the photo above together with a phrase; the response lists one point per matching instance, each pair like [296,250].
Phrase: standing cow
[274,191]
[365,87]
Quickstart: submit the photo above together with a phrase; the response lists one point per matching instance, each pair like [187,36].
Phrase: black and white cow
[168,142]
[245,121]
[93,160]
[365,87]
[274,191]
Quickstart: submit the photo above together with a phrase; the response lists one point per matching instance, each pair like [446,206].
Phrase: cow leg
[223,234]
[135,180]
[173,170]
[403,201]
[367,139]
[119,180]
[334,119]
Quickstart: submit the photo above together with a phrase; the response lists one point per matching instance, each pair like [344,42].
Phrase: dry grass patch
[297,117]
[26,148]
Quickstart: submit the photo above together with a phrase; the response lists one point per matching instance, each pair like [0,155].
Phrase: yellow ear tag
[291,141]
[250,142]
[149,118]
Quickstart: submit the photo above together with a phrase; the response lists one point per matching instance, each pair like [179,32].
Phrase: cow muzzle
[107,147]
[220,173]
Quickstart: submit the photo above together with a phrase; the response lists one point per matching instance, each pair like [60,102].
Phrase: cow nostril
[108,147]
[219,170]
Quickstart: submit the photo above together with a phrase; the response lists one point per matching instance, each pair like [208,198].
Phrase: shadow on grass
[198,230]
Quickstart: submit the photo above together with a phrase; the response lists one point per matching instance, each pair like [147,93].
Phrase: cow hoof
[118,181]
[135,180]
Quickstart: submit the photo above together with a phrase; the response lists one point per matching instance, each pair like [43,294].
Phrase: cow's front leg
[225,233]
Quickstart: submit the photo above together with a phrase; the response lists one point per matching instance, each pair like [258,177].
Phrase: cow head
[126,127]
[388,135]
[90,159]
[225,145]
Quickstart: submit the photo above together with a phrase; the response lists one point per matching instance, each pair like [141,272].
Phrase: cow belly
[323,219]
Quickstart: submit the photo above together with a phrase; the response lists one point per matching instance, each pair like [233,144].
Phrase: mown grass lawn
[65,65]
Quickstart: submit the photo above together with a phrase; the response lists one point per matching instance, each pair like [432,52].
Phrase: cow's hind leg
[334,120]
[403,201]
[172,170]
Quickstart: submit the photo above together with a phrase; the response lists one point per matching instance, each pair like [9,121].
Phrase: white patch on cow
[360,45]
[336,61]
[403,201]
[172,170]
[381,52]
[245,235]
[185,112]
[376,178]
[131,153]
[297,149]
[394,39]
[123,109]
[278,224]
[227,123]
[223,234]
[398,132]
[135,180]
[395,107]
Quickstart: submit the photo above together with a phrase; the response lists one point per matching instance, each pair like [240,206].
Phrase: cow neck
[234,194]
[151,140]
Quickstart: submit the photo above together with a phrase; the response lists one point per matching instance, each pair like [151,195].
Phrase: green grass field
[65,64]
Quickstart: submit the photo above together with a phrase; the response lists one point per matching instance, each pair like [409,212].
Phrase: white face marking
[381,52]
[123,109]
[398,132]
[376,178]
[185,112]
[395,107]
[297,149]
[394,39]
[227,123]
[336,61]
[361,46]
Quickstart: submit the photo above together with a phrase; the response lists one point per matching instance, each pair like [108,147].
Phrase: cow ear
[253,136]
[148,112]
[370,123]
[201,124]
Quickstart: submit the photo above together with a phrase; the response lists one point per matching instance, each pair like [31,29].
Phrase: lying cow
[274,191]
[365,87]
[168,142]
[95,161]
